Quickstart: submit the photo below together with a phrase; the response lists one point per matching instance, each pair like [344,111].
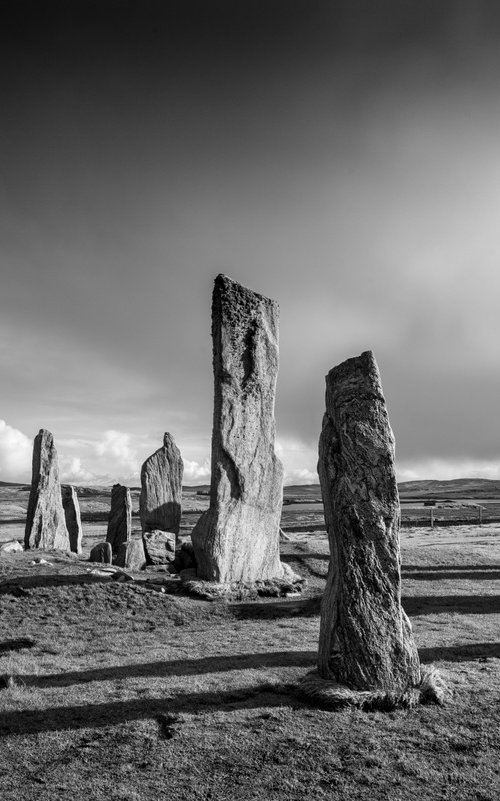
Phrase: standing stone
[161,488]
[237,539]
[120,517]
[45,521]
[365,642]
[73,520]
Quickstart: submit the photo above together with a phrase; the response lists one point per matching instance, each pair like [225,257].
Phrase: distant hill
[455,488]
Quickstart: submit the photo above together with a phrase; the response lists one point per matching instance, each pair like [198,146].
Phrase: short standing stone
[160,503]
[73,520]
[102,552]
[159,547]
[45,520]
[120,517]
[237,539]
[366,641]
[131,555]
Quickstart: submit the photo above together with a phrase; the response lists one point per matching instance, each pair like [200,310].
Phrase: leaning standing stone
[237,539]
[161,488]
[366,643]
[73,520]
[45,520]
[120,517]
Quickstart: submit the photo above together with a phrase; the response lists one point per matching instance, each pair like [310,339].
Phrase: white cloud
[116,454]
[15,454]
[299,460]
[196,473]
[446,470]
[72,471]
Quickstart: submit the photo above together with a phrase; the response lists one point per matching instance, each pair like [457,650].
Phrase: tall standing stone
[72,515]
[120,517]
[161,488]
[237,539]
[365,640]
[45,520]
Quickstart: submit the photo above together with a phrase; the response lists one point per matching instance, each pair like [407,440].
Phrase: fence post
[480,510]
[432,517]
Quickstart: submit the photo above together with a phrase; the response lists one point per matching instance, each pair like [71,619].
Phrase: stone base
[291,584]
[328,694]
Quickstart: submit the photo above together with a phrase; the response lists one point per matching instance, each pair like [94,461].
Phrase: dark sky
[342,158]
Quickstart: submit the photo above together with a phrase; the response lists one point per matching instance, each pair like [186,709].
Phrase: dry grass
[123,692]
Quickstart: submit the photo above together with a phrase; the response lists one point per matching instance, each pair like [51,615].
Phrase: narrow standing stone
[73,520]
[45,521]
[161,488]
[237,539]
[120,517]
[365,640]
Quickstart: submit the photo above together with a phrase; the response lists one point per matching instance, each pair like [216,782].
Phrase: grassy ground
[122,692]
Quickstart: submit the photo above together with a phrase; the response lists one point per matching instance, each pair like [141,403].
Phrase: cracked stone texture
[365,640]
[45,519]
[120,517]
[237,539]
[159,547]
[160,503]
[71,508]
[131,555]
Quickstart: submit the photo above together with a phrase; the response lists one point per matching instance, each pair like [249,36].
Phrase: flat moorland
[116,690]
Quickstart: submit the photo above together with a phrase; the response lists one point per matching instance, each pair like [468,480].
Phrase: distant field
[302,506]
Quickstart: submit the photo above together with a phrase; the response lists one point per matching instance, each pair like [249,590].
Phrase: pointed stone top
[225,285]
[45,434]
[167,439]
[363,373]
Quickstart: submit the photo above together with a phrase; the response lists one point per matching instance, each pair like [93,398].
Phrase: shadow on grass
[114,713]
[179,667]
[461,653]
[413,606]
[305,607]
[444,604]
[436,573]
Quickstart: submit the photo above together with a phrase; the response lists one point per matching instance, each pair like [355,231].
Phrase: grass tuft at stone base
[239,590]
[329,694]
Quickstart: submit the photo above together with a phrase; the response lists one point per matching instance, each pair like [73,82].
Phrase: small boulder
[184,557]
[12,546]
[102,552]
[131,555]
[159,546]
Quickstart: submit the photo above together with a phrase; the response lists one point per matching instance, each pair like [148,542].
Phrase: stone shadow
[85,716]
[178,667]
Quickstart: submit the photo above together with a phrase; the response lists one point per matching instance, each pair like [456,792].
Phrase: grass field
[118,691]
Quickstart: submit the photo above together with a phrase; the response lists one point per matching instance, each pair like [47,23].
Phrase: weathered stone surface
[45,520]
[120,517]
[102,552]
[72,515]
[12,546]
[131,555]
[160,503]
[159,546]
[237,539]
[365,641]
